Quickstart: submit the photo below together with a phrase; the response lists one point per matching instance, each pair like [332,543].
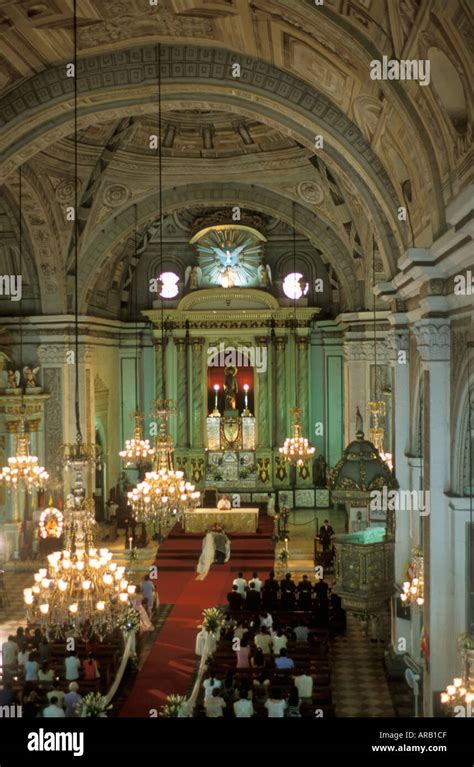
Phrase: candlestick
[246,411]
[215,412]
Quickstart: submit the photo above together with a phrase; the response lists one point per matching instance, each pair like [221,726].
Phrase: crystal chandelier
[81,590]
[413,589]
[137,450]
[461,691]
[23,471]
[164,492]
[456,694]
[296,449]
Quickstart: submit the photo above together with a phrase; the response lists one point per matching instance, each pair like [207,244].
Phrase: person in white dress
[207,556]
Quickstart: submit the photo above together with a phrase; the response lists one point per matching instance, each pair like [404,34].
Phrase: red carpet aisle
[172,661]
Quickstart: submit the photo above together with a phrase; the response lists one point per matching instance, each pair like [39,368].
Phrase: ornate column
[280,375]
[159,366]
[182,384]
[197,393]
[53,359]
[398,345]
[263,413]
[433,340]
[302,383]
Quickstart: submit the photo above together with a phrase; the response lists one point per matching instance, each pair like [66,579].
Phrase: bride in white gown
[207,556]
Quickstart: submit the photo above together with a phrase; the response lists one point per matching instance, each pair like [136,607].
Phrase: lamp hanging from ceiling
[164,492]
[296,449]
[137,450]
[23,471]
[81,590]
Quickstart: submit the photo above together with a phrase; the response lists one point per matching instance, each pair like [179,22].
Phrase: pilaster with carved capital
[280,380]
[261,379]
[182,384]
[433,340]
[197,345]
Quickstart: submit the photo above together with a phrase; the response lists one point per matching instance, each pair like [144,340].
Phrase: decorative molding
[433,340]
[363,351]
[398,340]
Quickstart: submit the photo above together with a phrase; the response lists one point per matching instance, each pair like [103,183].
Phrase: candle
[130,540]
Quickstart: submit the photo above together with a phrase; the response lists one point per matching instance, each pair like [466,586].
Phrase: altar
[237,520]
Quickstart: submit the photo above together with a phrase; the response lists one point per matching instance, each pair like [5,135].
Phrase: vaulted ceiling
[250,139]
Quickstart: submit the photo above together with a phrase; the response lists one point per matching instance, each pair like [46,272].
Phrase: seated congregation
[272,657]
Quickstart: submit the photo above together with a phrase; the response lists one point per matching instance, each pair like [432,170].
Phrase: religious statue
[29,375]
[193,275]
[264,275]
[13,379]
[230,387]
[320,474]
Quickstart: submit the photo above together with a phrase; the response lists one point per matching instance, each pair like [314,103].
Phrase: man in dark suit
[253,601]
[270,592]
[287,589]
[234,599]
[326,533]
[304,590]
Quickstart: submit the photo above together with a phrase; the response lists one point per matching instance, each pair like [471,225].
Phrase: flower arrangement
[130,621]
[93,704]
[173,705]
[212,619]
[284,556]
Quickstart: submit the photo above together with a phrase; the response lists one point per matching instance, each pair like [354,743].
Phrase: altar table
[236,520]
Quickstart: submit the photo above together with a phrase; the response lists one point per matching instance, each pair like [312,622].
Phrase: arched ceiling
[304,72]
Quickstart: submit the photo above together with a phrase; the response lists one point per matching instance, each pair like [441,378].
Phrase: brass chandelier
[164,492]
[81,590]
[23,471]
[137,450]
[296,449]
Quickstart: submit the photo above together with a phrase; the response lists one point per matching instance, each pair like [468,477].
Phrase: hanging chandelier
[81,590]
[164,492]
[23,471]
[296,449]
[413,589]
[137,450]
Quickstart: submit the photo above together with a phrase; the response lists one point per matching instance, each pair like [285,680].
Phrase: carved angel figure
[193,275]
[29,374]
[264,275]
[13,379]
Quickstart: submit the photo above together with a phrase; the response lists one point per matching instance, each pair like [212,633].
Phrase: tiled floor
[357,675]
[358,679]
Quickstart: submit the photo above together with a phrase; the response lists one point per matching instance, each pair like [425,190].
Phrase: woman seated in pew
[46,673]
[90,668]
[276,705]
[243,654]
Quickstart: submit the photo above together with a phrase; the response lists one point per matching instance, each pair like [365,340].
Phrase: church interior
[236,359]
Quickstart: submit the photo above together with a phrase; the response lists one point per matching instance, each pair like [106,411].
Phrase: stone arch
[294,106]
[321,236]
